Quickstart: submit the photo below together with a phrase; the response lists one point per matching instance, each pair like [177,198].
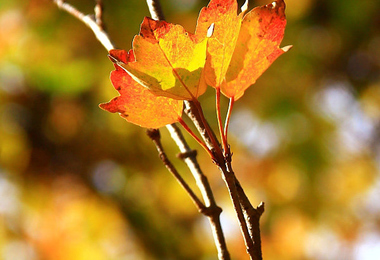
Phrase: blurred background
[79,183]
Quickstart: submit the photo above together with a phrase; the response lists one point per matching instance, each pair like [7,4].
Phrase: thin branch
[189,157]
[155,10]
[194,116]
[99,13]
[202,182]
[230,180]
[228,117]
[154,135]
[95,26]
[249,221]
[252,215]
[218,154]
[223,137]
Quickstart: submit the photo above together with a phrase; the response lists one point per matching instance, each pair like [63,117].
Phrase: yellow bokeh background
[77,182]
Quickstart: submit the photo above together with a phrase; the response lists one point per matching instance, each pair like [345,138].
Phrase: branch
[99,14]
[95,24]
[155,9]
[189,156]
[213,214]
[154,134]
[251,214]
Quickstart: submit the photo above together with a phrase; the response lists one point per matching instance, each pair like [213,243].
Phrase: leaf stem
[223,137]
[228,117]
[201,143]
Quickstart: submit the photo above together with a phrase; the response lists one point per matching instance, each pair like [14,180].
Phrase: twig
[196,138]
[201,180]
[222,131]
[99,13]
[251,214]
[95,23]
[154,134]
[189,157]
[228,117]
[155,10]
[95,26]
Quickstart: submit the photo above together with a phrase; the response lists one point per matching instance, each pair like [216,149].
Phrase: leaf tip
[109,106]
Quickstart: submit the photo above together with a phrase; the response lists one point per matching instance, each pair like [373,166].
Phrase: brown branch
[189,157]
[154,135]
[251,214]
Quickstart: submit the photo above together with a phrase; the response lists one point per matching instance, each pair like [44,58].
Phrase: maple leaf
[242,46]
[136,103]
[168,60]
[221,17]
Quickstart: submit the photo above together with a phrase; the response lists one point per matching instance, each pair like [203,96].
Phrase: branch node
[187,154]
[211,211]
[153,134]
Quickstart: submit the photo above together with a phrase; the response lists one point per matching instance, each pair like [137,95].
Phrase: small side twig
[99,14]
[95,24]
[154,135]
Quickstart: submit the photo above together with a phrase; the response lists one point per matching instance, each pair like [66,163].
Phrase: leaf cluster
[167,64]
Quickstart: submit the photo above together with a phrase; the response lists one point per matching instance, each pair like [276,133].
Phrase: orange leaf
[257,47]
[136,103]
[254,39]
[169,60]
[221,45]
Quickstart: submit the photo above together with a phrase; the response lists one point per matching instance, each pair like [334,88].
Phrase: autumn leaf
[254,39]
[136,103]
[168,60]
[221,15]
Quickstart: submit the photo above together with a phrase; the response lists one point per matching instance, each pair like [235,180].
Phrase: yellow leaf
[168,60]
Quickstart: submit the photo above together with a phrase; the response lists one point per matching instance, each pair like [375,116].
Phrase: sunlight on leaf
[226,24]
[241,48]
[136,103]
[169,60]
